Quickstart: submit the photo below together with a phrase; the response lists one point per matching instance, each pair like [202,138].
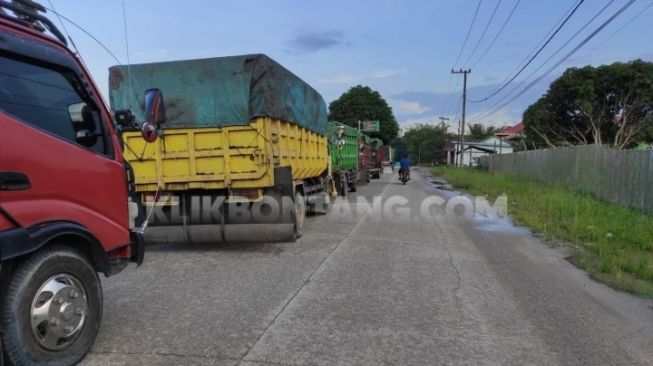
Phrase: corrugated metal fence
[621,176]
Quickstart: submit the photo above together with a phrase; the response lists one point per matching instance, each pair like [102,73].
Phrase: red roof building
[511,132]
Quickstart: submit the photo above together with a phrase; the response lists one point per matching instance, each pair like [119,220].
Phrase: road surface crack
[306,282]
[164,354]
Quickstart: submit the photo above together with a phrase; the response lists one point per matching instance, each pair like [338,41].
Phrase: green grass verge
[614,243]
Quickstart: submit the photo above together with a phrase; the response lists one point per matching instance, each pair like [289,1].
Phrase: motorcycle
[404,176]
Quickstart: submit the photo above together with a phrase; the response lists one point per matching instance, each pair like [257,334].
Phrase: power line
[460,52]
[533,57]
[456,113]
[544,38]
[498,34]
[87,33]
[555,53]
[468,32]
[445,100]
[564,58]
[480,39]
[60,21]
[630,20]
[65,29]
[451,108]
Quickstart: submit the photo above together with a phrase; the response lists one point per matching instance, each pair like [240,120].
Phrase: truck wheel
[299,215]
[51,309]
[344,186]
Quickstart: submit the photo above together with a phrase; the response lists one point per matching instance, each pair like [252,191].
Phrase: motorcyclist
[404,166]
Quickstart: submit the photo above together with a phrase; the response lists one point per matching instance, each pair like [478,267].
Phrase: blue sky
[403,49]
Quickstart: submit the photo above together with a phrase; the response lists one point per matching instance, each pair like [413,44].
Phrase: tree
[361,103]
[607,105]
[480,132]
[424,143]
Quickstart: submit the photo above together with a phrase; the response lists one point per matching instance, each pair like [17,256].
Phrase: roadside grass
[614,244]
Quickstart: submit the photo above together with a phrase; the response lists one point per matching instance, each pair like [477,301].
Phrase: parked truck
[343,148]
[364,158]
[242,155]
[388,156]
[65,210]
[376,160]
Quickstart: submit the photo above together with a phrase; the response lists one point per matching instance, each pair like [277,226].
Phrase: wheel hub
[58,311]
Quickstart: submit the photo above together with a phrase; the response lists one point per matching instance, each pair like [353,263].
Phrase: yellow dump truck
[242,154]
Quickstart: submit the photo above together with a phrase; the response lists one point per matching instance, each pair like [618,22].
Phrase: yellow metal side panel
[217,158]
[212,165]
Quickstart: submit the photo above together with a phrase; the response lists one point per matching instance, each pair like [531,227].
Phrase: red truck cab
[64,194]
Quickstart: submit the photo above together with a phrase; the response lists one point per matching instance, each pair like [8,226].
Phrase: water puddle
[489,221]
[493,223]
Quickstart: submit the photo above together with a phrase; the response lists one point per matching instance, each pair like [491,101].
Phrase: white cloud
[409,123]
[410,107]
[340,79]
[351,78]
[386,73]
[498,119]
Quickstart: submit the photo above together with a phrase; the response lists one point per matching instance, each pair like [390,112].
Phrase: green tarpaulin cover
[222,91]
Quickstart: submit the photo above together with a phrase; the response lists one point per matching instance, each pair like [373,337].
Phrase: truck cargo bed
[228,157]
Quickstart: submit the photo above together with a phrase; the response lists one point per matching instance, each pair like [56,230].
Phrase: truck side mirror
[86,137]
[149,132]
[84,126]
[155,110]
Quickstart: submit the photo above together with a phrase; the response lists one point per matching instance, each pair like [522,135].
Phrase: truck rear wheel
[51,309]
[343,186]
[299,215]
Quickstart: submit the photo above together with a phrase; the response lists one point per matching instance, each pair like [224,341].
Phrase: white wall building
[472,150]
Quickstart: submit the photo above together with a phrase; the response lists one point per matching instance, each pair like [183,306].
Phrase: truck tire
[343,186]
[51,309]
[352,186]
[299,215]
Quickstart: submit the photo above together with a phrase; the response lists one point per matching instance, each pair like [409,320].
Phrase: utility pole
[444,128]
[462,129]
[457,155]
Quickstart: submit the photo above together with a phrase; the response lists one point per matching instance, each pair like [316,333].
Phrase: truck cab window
[51,100]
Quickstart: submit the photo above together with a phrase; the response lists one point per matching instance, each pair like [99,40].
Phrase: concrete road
[363,288]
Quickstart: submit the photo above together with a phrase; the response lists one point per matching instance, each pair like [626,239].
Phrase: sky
[404,49]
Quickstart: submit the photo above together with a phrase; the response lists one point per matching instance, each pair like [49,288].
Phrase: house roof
[511,130]
[489,143]
[479,148]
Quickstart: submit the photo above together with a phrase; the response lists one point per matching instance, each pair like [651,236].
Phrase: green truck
[343,148]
